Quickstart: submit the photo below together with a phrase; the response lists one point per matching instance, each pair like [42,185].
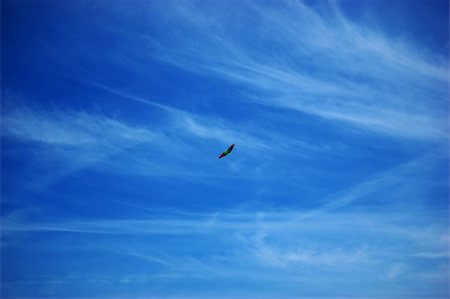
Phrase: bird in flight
[227,152]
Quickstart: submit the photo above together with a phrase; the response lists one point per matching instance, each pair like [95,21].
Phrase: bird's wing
[230,148]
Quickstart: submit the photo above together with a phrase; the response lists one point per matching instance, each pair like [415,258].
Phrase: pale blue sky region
[114,115]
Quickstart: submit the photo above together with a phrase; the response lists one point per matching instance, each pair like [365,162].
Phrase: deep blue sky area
[114,113]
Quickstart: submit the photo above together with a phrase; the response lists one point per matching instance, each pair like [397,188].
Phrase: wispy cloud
[229,221]
[204,126]
[81,139]
[329,257]
[336,186]
[73,140]
[57,127]
[396,270]
[328,67]
[266,246]
[393,181]
[280,247]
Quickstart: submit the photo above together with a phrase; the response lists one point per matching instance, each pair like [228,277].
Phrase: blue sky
[114,114]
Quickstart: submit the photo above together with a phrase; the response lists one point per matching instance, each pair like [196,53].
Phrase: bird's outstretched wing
[230,148]
[227,152]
